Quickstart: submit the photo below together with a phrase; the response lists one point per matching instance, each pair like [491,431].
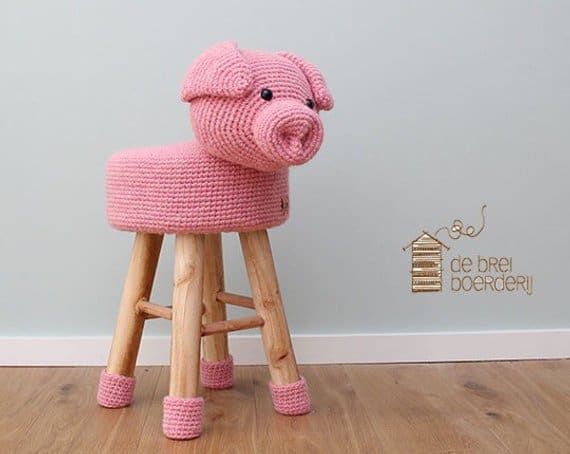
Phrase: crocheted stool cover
[291,399]
[115,391]
[182,419]
[217,374]
[182,189]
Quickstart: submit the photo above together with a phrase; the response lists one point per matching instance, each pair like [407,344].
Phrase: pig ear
[323,97]
[220,71]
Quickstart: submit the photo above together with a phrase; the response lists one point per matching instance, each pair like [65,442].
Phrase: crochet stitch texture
[182,419]
[291,399]
[183,189]
[234,177]
[115,391]
[217,374]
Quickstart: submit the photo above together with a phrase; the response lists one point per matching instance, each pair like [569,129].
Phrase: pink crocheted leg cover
[291,399]
[115,391]
[217,374]
[182,417]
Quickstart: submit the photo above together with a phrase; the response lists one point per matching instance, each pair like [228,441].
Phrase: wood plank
[511,409]
[118,430]
[551,380]
[70,406]
[336,424]
[396,399]
[229,420]
[551,376]
[500,407]
[25,393]
[427,379]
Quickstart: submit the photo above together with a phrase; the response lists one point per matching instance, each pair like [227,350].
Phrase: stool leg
[117,382]
[216,366]
[288,390]
[182,418]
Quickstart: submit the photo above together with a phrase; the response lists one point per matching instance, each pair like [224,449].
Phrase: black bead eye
[266,94]
[310,103]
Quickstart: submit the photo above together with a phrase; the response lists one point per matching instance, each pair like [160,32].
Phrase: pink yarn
[217,374]
[221,71]
[115,391]
[234,177]
[323,96]
[291,399]
[285,132]
[235,123]
[180,189]
[182,417]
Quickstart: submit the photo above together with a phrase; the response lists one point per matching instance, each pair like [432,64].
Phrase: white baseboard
[309,349]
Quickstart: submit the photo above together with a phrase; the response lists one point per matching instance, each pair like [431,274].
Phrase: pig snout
[288,132]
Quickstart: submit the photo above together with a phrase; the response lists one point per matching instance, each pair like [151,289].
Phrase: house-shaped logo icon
[426,269]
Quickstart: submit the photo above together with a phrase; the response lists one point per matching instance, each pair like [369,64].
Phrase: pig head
[256,109]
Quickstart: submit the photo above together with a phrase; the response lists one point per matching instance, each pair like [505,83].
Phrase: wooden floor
[512,407]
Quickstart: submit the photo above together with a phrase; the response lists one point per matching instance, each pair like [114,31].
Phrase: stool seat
[182,189]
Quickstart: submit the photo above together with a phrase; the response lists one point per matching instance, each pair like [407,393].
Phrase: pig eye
[310,103]
[266,94]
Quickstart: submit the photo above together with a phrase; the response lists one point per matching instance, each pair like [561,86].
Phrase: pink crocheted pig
[254,114]
[256,109]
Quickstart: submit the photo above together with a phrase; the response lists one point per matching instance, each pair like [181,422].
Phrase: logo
[478,273]
[426,271]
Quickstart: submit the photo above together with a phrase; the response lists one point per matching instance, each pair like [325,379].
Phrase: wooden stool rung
[235,300]
[237,324]
[151,310]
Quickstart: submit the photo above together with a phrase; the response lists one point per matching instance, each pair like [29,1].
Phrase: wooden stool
[254,114]
[198,310]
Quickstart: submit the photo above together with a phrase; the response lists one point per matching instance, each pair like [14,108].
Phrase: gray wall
[440,106]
